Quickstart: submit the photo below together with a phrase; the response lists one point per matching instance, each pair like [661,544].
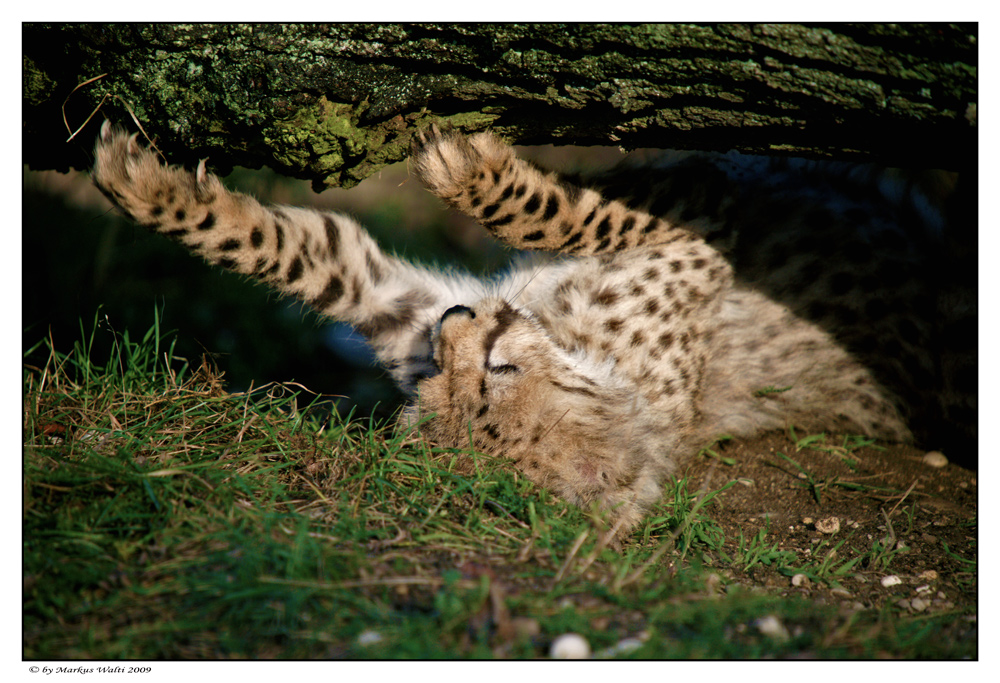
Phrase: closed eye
[502,369]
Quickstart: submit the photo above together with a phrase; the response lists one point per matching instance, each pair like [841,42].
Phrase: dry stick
[602,543]
[96,109]
[908,491]
[100,104]
[569,558]
[890,537]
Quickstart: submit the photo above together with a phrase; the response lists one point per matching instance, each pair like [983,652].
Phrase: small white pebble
[840,593]
[369,638]
[570,646]
[919,604]
[772,627]
[830,525]
[800,580]
[891,580]
[935,459]
[807,520]
[929,575]
[923,589]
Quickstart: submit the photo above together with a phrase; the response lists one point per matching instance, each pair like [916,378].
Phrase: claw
[201,174]
[133,144]
[106,130]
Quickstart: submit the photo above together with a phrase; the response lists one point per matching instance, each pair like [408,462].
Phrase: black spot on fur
[294,270]
[572,240]
[583,391]
[279,233]
[627,225]
[605,297]
[208,223]
[497,222]
[374,269]
[531,206]
[333,291]
[603,228]
[551,207]
[505,318]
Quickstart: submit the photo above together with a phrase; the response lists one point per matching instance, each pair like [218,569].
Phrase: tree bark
[334,103]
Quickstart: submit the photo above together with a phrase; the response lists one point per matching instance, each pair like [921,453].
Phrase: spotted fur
[662,305]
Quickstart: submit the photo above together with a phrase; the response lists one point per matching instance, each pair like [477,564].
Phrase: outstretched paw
[132,177]
[450,163]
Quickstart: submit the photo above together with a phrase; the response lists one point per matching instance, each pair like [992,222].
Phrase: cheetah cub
[596,364]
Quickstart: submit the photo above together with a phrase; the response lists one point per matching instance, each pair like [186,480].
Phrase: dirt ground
[931,511]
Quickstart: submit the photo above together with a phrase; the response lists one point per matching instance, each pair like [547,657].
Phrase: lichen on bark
[333,103]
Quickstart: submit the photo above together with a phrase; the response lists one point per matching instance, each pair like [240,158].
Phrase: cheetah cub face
[505,388]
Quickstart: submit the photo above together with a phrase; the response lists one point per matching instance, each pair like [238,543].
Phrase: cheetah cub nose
[458,310]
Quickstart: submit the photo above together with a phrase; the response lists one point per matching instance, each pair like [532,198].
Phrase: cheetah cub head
[505,388]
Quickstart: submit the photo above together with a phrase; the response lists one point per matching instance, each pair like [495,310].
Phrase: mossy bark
[334,103]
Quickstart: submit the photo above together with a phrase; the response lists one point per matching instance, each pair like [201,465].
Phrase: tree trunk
[334,103]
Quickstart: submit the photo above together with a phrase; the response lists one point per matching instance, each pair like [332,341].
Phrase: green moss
[325,138]
[38,86]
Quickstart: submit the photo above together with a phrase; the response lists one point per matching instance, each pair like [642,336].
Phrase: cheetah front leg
[322,258]
[531,209]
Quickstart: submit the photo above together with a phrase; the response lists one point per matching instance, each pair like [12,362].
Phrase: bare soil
[873,494]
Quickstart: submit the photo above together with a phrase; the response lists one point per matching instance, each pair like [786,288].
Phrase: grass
[167,518]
